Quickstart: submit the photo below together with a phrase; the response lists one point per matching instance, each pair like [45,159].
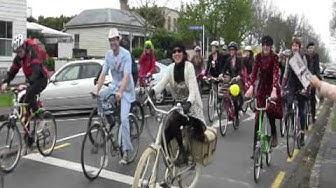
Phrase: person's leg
[102,99]
[273,131]
[31,92]
[125,127]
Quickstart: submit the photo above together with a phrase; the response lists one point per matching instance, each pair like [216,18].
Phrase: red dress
[267,67]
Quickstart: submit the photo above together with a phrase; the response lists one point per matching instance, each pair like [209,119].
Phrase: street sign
[195,27]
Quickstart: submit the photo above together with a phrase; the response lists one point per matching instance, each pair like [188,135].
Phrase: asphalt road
[231,168]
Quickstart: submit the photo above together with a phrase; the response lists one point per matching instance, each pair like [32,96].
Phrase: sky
[317,17]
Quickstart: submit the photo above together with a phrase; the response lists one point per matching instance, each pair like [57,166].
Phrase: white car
[70,86]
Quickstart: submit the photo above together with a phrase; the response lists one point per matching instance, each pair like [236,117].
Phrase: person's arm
[159,87]
[14,69]
[285,75]
[275,73]
[328,90]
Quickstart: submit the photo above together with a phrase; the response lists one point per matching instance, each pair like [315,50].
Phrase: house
[13,15]
[90,29]
[171,17]
[58,44]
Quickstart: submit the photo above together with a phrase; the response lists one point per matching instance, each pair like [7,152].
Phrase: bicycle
[213,98]
[10,136]
[294,131]
[100,137]
[227,104]
[263,146]
[149,161]
[249,103]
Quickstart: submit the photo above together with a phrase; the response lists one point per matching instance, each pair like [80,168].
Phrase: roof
[46,30]
[106,16]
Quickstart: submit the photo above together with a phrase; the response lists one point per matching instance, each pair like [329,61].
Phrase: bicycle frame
[157,145]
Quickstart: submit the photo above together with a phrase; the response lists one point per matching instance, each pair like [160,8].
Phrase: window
[6,35]
[90,70]
[76,41]
[69,73]
[175,25]
[168,23]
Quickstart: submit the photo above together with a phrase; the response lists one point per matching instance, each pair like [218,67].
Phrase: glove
[186,107]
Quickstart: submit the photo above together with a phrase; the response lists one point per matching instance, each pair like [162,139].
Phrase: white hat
[215,43]
[114,33]
[248,48]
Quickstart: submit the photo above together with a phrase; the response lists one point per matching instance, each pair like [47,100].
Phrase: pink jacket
[328,90]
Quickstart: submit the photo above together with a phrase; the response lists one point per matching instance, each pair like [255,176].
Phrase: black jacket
[314,64]
[219,65]
[233,71]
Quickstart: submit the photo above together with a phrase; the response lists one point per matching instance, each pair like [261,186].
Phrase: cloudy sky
[317,17]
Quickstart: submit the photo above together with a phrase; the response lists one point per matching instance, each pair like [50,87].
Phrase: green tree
[54,22]
[152,15]
[230,19]
[163,39]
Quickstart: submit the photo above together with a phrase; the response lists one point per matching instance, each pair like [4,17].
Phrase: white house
[13,15]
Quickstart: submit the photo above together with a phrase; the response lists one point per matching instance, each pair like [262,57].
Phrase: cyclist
[118,60]
[197,61]
[293,85]
[30,58]
[249,59]
[182,79]
[313,61]
[233,67]
[147,62]
[216,61]
[266,63]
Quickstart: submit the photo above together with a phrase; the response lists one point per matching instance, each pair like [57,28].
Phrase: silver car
[330,70]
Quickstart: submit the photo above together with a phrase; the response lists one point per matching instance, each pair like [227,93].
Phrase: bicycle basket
[6,102]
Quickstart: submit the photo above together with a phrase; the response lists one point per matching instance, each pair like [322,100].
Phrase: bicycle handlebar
[268,99]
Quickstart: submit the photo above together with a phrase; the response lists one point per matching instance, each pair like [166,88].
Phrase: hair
[310,44]
[267,40]
[296,41]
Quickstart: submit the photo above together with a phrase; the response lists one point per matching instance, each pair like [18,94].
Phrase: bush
[136,52]
[159,54]
[50,64]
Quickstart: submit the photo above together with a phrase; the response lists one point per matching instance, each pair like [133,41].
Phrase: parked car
[70,86]
[330,70]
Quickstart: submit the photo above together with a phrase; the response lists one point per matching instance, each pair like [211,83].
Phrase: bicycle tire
[15,130]
[290,135]
[222,126]
[195,179]
[143,163]
[47,132]
[269,152]
[257,163]
[90,171]
[211,111]
[139,113]
[135,138]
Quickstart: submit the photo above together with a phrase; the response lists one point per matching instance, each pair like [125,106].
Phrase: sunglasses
[148,47]
[177,51]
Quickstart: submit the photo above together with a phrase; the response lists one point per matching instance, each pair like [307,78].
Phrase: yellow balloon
[234,90]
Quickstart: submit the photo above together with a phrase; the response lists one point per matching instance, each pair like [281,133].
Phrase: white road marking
[72,119]
[70,137]
[121,178]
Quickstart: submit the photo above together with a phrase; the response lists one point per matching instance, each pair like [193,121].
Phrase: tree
[54,22]
[230,19]
[153,15]
[163,39]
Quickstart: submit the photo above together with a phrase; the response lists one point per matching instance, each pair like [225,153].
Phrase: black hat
[267,40]
[310,44]
[178,44]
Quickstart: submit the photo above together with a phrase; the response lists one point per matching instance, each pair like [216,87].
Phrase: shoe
[124,159]
[274,141]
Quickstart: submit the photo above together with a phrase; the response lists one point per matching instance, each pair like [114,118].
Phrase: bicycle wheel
[257,160]
[211,106]
[145,175]
[282,127]
[46,139]
[10,147]
[135,137]
[222,125]
[93,117]
[298,136]
[269,151]
[93,153]
[138,111]
[290,135]
[189,176]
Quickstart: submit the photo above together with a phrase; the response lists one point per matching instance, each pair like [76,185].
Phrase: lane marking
[77,167]
[61,146]
[277,181]
[295,153]
[73,119]
[70,137]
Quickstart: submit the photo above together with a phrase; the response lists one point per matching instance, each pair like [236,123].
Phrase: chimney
[123,4]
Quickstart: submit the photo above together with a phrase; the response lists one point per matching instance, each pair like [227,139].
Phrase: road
[232,166]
